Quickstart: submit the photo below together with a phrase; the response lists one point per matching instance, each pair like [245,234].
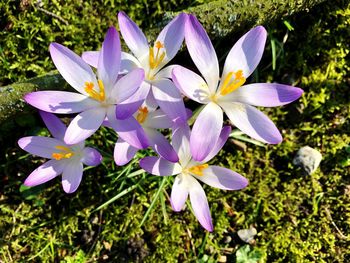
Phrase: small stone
[308,159]
[222,259]
[247,235]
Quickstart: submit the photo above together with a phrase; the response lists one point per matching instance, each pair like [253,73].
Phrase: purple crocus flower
[152,59]
[65,159]
[97,97]
[188,171]
[151,119]
[228,93]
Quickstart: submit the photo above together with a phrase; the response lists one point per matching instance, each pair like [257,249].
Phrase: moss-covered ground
[299,218]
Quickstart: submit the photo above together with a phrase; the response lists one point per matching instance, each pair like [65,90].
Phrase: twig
[50,13]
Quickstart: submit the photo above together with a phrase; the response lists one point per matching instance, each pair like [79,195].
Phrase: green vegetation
[298,218]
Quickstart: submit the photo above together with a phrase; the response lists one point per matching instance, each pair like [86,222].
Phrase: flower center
[142,114]
[198,169]
[155,60]
[90,89]
[64,153]
[231,84]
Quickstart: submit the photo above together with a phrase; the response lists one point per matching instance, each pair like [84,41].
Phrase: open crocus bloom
[66,159]
[152,59]
[188,171]
[97,97]
[228,93]
[151,119]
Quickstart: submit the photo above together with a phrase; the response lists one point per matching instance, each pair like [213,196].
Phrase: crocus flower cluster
[138,93]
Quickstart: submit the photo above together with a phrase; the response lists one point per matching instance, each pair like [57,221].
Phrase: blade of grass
[122,193]
[162,202]
[239,136]
[273,50]
[155,198]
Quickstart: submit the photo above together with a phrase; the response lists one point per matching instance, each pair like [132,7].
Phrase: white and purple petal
[225,133]
[129,130]
[133,36]
[165,73]
[264,94]
[157,120]
[84,125]
[91,157]
[181,143]
[109,59]
[53,124]
[161,145]
[61,102]
[252,122]
[222,178]
[127,85]
[123,152]
[246,54]
[71,176]
[72,67]
[159,166]
[202,52]
[40,146]
[128,63]
[170,100]
[191,84]
[44,173]
[172,36]
[128,107]
[206,131]
[179,193]
[91,57]
[200,204]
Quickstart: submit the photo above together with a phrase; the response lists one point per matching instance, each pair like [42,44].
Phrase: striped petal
[72,67]
[123,152]
[159,166]
[206,131]
[53,124]
[40,146]
[129,130]
[200,204]
[44,173]
[71,176]
[170,100]
[161,145]
[191,84]
[127,85]
[202,52]
[60,101]
[109,59]
[91,157]
[264,94]
[222,178]
[133,36]
[225,133]
[84,125]
[179,193]
[91,57]
[252,122]
[172,37]
[246,54]
[128,107]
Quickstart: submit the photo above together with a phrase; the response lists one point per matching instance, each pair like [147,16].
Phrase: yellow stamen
[142,114]
[65,153]
[89,88]
[154,62]
[198,169]
[230,85]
